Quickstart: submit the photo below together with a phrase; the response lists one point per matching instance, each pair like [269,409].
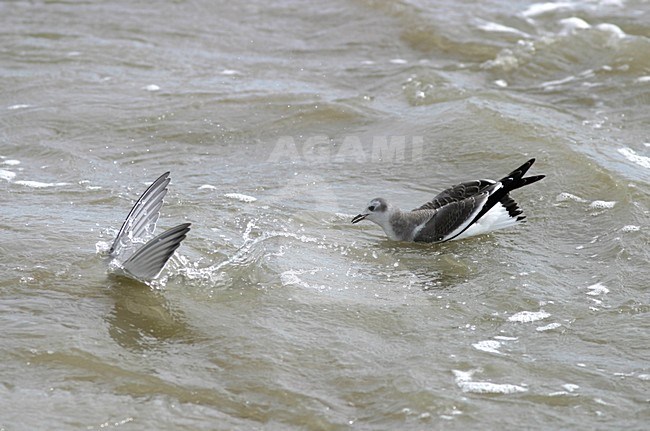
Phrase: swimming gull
[147,261]
[467,209]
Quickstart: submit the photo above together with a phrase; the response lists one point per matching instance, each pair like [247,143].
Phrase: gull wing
[451,219]
[460,207]
[148,261]
[143,216]
[456,193]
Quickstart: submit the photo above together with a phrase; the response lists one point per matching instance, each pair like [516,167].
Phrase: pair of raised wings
[146,262]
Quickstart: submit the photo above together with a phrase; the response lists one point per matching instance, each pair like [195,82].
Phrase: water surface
[279,122]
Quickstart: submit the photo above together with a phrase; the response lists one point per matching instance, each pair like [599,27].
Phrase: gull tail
[148,261]
[515,179]
[500,210]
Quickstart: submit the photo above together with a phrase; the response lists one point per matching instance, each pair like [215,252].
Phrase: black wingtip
[520,171]
[512,207]
[533,179]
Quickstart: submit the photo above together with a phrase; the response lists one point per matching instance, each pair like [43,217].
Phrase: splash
[292,277]
[248,254]
[102,248]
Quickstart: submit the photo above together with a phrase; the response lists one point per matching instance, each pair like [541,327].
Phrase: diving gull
[138,258]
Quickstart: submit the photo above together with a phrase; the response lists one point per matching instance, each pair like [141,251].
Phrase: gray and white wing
[451,219]
[457,193]
[144,215]
[148,261]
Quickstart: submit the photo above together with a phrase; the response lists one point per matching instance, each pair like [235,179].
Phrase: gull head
[377,211]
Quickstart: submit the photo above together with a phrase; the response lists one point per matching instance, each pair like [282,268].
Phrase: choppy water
[279,122]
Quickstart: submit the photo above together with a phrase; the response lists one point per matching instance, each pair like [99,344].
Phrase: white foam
[528,316]
[597,289]
[490,346]
[613,29]
[7,175]
[563,197]
[241,197]
[501,83]
[21,106]
[630,228]
[230,72]
[570,387]
[11,162]
[464,382]
[398,61]
[548,327]
[505,60]
[505,338]
[39,185]
[289,278]
[633,157]
[602,204]
[645,78]
[499,28]
[207,187]
[490,388]
[542,8]
[645,377]
[151,87]
[552,84]
[570,25]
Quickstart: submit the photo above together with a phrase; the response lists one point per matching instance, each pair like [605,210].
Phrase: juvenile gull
[467,209]
[145,262]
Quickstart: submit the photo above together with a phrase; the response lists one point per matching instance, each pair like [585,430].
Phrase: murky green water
[279,122]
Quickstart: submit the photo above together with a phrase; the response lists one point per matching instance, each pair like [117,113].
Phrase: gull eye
[371,208]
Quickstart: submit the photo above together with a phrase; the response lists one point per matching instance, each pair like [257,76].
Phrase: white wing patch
[474,213]
[496,218]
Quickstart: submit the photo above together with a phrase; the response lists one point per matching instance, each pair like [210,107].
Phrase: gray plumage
[466,209]
[147,261]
